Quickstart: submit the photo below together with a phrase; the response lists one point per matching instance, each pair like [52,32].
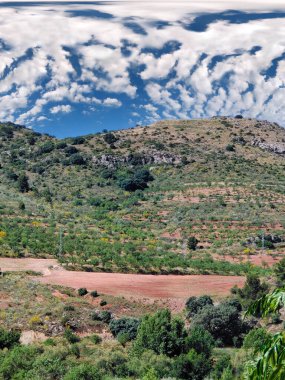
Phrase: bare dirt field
[135,286]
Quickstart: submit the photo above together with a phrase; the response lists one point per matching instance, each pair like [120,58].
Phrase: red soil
[134,286]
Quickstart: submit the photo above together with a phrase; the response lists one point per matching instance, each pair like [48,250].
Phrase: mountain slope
[219,180]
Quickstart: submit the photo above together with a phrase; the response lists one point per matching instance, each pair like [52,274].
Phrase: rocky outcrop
[149,158]
[278,148]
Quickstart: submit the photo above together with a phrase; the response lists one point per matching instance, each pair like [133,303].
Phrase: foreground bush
[162,334]
[195,304]
[9,339]
[223,322]
[125,326]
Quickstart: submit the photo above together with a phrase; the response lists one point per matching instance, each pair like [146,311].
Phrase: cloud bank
[179,60]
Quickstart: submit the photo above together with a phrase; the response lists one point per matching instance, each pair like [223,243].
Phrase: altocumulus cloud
[179,60]
[63,108]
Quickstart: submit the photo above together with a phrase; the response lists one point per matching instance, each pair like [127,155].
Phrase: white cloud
[39,69]
[111,102]
[65,108]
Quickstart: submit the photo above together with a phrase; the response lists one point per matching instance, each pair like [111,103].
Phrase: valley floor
[172,290]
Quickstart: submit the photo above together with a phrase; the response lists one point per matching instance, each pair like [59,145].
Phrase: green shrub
[192,243]
[96,339]
[201,341]
[70,336]
[83,372]
[125,326]
[103,316]
[222,364]
[223,322]
[82,292]
[138,181]
[161,333]
[68,308]
[9,339]
[256,339]
[110,138]
[123,338]
[191,366]
[195,304]
[23,183]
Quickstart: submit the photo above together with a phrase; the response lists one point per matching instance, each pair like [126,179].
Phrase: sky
[73,68]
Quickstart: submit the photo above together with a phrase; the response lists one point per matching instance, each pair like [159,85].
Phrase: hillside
[219,180]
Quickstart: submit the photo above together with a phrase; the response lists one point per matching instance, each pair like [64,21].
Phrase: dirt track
[128,285]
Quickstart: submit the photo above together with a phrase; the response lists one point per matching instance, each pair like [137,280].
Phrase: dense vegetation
[175,197]
[206,341]
[167,198]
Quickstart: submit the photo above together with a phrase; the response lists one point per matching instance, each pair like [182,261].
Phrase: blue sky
[71,68]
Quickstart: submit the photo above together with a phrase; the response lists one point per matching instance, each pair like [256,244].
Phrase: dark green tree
[192,366]
[83,372]
[162,334]
[252,290]
[194,304]
[8,339]
[279,271]
[192,243]
[23,183]
[223,322]
[201,341]
[125,326]
[110,138]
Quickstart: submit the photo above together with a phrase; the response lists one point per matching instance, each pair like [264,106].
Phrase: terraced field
[219,180]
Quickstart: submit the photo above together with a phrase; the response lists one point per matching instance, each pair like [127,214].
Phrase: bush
[162,334]
[70,336]
[8,339]
[123,338]
[252,290]
[94,294]
[96,339]
[23,183]
[110,138]
[223,322]
[83,372]
[125,326]
[22,206]
[82,292]
[68,308]
[76,159]
[74,350]
[195,304]
[256,339]
[103,316]
[138,181]
[230,148]
[17,362]
[279,271]
[47,147]
[69,150]
[222,364]
[192,366]
[103,303]
[77,140]
[95,202]
[192,243]
[201,341]
[61,145]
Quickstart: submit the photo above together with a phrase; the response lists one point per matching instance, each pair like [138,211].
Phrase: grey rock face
[278,148]
[156,158]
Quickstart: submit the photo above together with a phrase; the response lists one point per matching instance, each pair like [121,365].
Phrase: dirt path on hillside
[134,286]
